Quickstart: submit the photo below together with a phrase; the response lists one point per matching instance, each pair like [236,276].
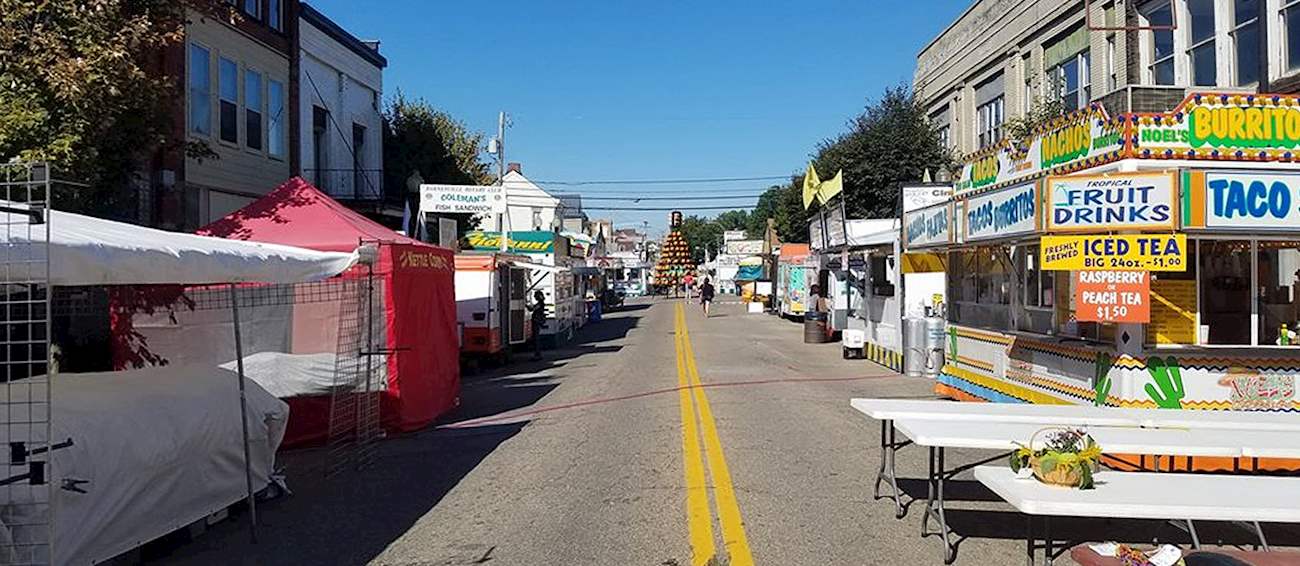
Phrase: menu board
[1112,296]
[1173,312]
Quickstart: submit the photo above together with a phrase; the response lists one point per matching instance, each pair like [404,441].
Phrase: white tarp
[92,251]
[160,448]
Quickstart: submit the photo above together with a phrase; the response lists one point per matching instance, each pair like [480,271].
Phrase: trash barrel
[915,355]
[814,328]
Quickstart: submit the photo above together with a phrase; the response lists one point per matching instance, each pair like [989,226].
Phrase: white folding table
[938,425]
[1140,495]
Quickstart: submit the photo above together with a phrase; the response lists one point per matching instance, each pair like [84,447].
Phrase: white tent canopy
[90,251]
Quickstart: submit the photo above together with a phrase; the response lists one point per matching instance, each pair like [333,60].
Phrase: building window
[1245,41]
[991,114]
[1027,72]
[1040,285]
[359,187]
[253,8]
[1160,65]
[228,82]
[275,118]
[320,157]
[940,121]
[200,83]
[1112,77]
[1201,43]
[1072,81]
[275,14]
[253,110]
[1291,29]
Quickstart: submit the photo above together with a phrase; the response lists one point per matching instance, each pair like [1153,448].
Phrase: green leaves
[78,88]
[1085,472]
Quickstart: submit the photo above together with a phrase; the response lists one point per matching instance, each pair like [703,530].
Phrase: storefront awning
[538,267]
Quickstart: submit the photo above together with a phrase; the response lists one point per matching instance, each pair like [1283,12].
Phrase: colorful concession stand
[1138,260]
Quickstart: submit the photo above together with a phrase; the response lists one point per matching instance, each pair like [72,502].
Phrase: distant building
[628,240]
[340,89]
[528,206]
[1000,56]
[572,218]
[237,79]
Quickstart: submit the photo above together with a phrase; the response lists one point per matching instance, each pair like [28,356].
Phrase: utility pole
[504,215]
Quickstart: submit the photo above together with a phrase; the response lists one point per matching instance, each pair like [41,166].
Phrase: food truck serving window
[979,287]
[882,276]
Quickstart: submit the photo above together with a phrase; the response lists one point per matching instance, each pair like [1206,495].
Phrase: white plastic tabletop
[1136,495]
[1113,440]
[935,409]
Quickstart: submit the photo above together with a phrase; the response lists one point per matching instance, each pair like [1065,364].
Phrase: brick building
[999,56]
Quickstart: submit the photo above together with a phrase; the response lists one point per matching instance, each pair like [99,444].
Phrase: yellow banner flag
[831,187]
[811,184]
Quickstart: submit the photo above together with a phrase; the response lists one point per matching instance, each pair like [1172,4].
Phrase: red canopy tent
[419,301]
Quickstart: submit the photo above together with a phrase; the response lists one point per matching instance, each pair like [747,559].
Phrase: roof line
[337,33]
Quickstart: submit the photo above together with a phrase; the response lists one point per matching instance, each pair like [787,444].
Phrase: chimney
[517,168]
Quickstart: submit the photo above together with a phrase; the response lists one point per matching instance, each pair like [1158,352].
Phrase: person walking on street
[819,303]
[687,282]
[706,296]
[539,321]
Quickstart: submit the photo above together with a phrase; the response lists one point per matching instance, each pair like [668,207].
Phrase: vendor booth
[416,294]
[100,463]
[550,270]
[491,309]
[796,274]
[1141,260]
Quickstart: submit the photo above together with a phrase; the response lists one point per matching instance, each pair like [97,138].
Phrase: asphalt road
[603,455]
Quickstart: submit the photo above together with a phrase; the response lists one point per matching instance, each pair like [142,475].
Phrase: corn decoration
[674,256]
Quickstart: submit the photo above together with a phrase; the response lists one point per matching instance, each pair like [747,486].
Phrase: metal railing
[348,184]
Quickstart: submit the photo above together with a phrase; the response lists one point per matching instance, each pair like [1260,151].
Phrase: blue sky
[650,90]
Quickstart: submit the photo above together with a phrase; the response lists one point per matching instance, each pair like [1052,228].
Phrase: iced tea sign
[1122,201]
[1112,296]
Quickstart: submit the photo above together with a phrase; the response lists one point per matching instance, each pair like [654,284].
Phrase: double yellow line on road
[698,514]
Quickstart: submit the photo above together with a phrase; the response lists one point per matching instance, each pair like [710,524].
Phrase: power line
[696,197]
[671,208]
[668,181]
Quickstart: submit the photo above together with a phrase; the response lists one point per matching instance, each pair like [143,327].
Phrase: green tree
[892,142]
[734,220]
[784,204]
[420,138]
[82,90]
[702,235]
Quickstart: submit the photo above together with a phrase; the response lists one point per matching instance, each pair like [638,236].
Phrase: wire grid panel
[25,510]
[359,371]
